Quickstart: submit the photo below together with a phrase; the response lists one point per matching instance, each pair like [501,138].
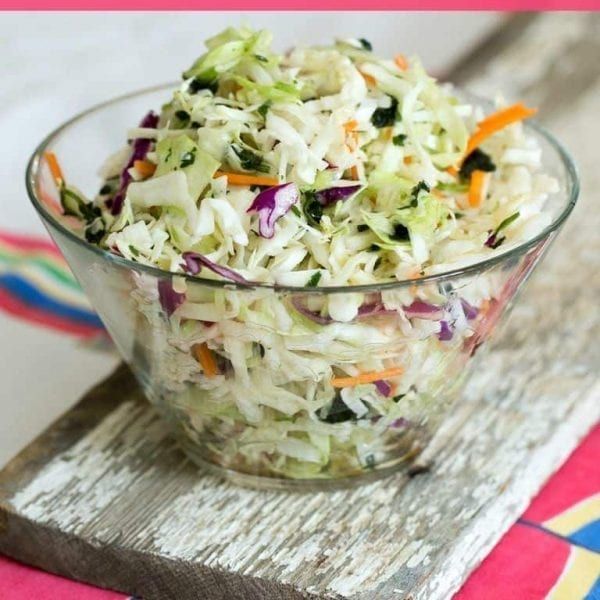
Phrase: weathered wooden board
[105,496]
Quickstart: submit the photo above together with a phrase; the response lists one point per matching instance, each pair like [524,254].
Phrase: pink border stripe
[303,5]
[26,242]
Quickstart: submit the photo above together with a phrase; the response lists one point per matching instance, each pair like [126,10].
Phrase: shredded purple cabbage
[140,147]
[374,308]
[194,263]
[169,299]
[470,311]
[423,310]
[309,314]
[400,423]
[446,333]
[383,387]
[273,203]
[331,195]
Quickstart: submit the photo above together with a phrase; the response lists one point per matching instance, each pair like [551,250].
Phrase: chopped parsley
[313,210]
[251,161]
[398,140]
[197,84]
[261,58]
[362,227]
[476,161]
[414,193]
[263,109]
[400,233]
[366,44]
[188,159]
[296,210]
[385,117]
[314,280]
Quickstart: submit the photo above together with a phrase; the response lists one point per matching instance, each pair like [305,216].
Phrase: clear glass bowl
[257,421]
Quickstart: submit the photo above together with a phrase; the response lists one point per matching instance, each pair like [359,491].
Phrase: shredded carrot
[243,179]
[370,377]
[54,167]
[206,359]
[144,167]
[401,62]
[354,173]
[491,125]
[369,79]
[408,160]
[478,188]
[350,125]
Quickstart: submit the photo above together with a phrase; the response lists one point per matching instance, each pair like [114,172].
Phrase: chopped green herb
[313,209]
[366,44]
[476,161]
[94,237]
[400,233]
[414,193]
[197,84]
[362,227]
[398,140]
[296,210]
[314,280]
[385,117]
[188,159]
[507,222]
[397,398]
[261,58]
[105,189]
[182,115]
[263,109]
[251,161]
[134,251]
[338,412]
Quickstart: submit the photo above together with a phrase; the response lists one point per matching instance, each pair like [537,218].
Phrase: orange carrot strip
[354,172]
[369,79]
[478,188]
[401,62]
[370,377]
[350,125]
[144,167]
[206,359]
[243,179]
[497,121]
[54,167]
[491,125]
[407,160]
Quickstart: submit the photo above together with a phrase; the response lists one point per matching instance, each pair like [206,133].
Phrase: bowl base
[259,482]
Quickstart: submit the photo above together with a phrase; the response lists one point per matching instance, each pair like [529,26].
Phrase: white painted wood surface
[124,509]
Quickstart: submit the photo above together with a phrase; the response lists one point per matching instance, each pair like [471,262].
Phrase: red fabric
[523,566]
[20,582]
[33,315]
[578,478]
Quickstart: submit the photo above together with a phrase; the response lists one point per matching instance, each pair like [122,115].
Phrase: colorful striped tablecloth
[552,551]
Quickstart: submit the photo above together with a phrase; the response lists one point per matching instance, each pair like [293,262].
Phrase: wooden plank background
[105,496]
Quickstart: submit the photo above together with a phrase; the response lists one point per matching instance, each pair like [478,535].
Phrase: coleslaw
[286,175]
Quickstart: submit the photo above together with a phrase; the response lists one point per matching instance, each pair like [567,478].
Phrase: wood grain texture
[105,496]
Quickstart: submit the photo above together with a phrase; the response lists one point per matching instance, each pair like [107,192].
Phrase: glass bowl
[256,381]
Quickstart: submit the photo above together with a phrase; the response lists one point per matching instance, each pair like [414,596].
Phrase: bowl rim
[33,165]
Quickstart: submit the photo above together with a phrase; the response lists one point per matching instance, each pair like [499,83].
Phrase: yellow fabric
[580,573]
[581,514]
